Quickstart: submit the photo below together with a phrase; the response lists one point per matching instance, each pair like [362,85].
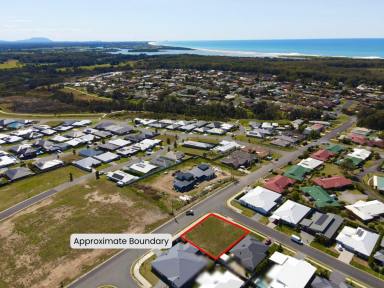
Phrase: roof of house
[107,157]
[321,197]
[202,170]
[291,212]
[326,224]
[180,264]
[48,164]
[367,210]
[358,239]
[17,173]
[296,172]
[322,155]
[121,177]
[360,153]
[198,145]
[332,182]
[142,167]
[278,183]
[378,182]
[335,148]
[239,158]
[86,163]
[289,272]
[89,152]
[249,252]
[261,198]
[310,163]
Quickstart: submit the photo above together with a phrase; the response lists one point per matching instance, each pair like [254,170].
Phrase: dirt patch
[7,225]
[34,243]
[107,199]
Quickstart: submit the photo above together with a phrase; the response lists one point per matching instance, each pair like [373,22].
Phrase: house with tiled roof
[335,182]
[279,183]
[322,155]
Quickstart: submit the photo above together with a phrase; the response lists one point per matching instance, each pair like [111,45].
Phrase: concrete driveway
[346,256]
[306,238]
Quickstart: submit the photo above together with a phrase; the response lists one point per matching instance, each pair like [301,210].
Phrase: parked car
[190,213]
[296,239]
[268,241]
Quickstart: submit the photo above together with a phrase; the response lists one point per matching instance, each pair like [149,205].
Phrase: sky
[161,20]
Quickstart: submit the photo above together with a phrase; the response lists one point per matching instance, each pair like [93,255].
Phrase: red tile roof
[322,155]
[278,183]
[332,182]
[359,139]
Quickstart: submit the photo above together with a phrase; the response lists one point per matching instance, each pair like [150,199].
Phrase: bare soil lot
[34,245]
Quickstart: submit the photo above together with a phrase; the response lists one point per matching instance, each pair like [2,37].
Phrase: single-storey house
[260,200]
[291,213]
[179,266]
[358,240]
[17,173]
[278,183]
[87,163]
[249,252]
[325,225]
[334,182]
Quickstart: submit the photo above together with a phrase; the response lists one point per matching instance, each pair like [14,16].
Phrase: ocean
[352,48]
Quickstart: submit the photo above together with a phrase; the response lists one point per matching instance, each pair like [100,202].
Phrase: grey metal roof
[326,224]
[179,265]
[87,163]
[249,252]
[17,173]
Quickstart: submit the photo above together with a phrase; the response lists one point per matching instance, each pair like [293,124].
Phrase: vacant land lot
[18,191]
[10,64]
[34,245]
[215,235]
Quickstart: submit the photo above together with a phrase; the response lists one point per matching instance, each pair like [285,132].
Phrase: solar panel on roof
[322,219]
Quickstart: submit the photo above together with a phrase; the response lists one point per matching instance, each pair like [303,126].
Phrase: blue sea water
[354,48]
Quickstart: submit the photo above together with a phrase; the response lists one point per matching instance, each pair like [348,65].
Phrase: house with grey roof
[203,172]
[179,266]
[17,173]
[107,157]
[249,252]
[87,163]
[239,158]
[325,225]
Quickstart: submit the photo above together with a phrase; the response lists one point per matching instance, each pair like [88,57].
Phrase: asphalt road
[51,192]
[116,270]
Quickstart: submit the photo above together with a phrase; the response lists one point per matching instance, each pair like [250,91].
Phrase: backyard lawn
[214,235]
[23,189]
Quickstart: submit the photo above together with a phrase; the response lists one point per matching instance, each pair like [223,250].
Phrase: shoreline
[256,54]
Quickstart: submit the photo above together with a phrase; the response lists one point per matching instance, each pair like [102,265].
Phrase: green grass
[10,64]
[146,271]
[331,169]
[287,230]
[367,269]
[244,210]
[80,94]
[327,250]
[18,191]
[214,235]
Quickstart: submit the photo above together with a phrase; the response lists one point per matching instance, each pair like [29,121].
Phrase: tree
[347,164]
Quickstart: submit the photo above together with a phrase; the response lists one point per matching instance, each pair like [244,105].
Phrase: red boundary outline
[215,257]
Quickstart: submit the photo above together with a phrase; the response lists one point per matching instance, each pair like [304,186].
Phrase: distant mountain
[36,40]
